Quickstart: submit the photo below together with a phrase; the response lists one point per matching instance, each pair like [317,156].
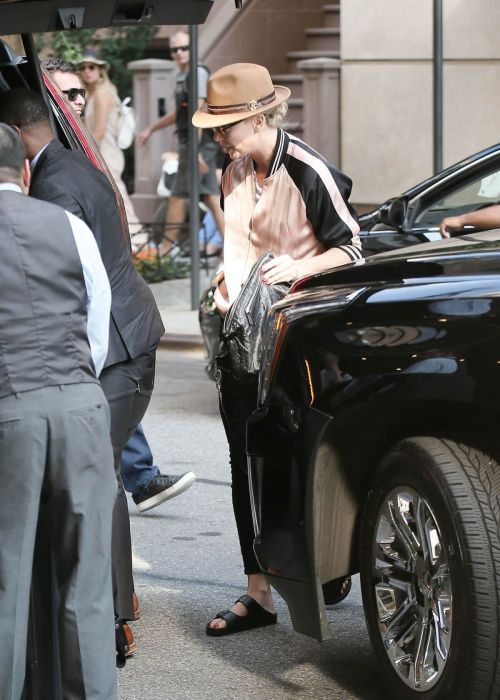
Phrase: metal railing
[163,251]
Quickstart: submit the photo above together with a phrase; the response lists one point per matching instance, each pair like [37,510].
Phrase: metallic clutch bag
[244,322]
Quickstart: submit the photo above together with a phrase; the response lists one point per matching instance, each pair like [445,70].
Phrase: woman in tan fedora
[278,194]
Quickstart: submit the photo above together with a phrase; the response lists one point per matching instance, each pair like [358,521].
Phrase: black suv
[375,448]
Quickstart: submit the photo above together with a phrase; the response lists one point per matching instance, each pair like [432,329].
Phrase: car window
[476,194]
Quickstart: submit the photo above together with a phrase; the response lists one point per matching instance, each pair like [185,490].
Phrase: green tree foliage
[118,46]
[158,269]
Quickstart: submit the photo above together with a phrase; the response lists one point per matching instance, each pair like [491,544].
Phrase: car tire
[335,591]
[430,570]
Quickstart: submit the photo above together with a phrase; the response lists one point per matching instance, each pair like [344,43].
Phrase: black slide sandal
[257,617]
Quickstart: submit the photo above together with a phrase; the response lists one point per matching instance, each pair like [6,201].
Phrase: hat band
[249,106]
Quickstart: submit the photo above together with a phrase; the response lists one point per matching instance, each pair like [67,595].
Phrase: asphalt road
[187,568]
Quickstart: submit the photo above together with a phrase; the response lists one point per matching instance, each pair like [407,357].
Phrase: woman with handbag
[278,194]
[103,117]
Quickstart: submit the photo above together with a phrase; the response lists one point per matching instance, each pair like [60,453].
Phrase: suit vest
[43,300]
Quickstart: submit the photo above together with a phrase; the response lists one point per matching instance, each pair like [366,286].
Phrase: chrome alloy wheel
[413,594]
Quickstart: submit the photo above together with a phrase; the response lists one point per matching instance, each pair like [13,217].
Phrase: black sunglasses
[174,49]
[222,129]
[73,93]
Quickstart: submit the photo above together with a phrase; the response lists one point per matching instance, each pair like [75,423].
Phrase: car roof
[27,16]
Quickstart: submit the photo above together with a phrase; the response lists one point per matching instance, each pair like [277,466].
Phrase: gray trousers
[56,458]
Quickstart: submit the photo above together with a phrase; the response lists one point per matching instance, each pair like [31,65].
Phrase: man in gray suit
[55,451]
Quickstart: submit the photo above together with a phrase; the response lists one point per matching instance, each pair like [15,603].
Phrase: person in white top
[102,117]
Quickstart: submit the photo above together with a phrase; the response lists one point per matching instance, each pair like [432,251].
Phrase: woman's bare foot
[257,588]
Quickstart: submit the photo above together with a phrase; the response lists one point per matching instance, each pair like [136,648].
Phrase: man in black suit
[69,179]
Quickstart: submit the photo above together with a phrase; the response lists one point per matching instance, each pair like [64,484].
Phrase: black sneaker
[162,487]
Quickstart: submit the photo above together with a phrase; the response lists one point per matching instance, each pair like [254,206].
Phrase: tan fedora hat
[236,92]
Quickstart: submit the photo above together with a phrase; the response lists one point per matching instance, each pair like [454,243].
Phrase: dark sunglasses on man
[175,49]
[73,93]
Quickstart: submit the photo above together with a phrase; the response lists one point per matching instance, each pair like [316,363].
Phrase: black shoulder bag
[244,322]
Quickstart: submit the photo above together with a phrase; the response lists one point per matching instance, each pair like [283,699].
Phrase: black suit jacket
[69,179]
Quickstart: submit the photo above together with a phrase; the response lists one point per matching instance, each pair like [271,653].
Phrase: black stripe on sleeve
[328,227]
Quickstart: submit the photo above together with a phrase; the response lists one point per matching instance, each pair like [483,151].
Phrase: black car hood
[28,16]
[472,254]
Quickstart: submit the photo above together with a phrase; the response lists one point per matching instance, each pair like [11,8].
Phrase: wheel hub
[412,588]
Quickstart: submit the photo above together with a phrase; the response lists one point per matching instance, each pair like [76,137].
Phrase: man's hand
[450,225]
[143,136]
[281,269]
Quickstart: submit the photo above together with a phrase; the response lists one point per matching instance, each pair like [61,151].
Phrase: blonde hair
[275,117]
[104,81]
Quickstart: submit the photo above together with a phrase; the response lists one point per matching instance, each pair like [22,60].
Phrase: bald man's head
[179,49]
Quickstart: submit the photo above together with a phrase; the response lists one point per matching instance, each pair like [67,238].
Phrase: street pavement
[173,298]
[187,568]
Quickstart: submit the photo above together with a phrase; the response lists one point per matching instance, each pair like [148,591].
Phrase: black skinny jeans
[238,399]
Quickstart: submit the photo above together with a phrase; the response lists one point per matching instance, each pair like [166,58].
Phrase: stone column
[321,111]
[153,82]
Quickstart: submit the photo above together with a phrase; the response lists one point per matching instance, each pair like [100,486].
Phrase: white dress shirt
[35,160]
[98,290]
[96,284]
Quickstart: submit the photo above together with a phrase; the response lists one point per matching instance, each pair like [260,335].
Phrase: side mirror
[393,212]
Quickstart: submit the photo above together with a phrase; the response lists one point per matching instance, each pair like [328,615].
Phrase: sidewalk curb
[179,341]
